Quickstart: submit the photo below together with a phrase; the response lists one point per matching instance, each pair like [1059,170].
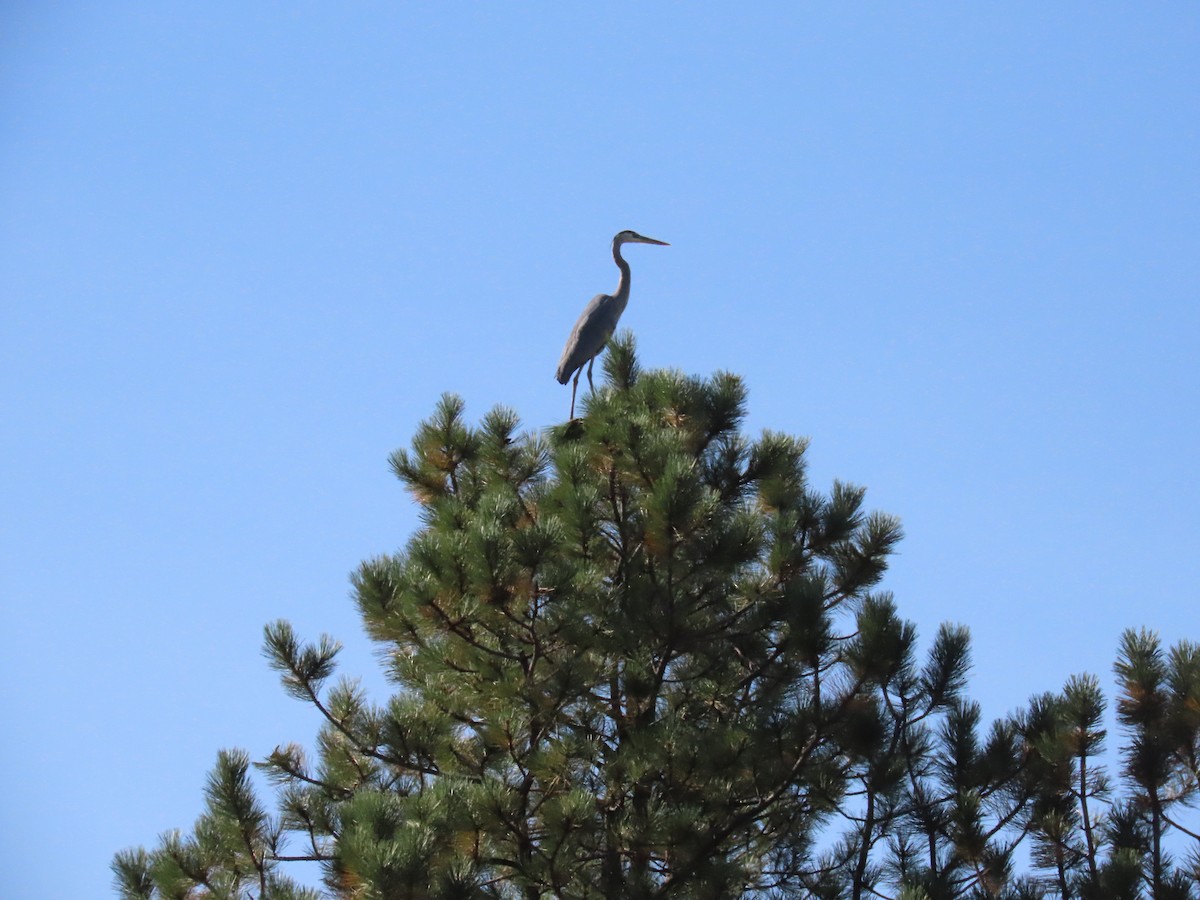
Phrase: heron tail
[566,366]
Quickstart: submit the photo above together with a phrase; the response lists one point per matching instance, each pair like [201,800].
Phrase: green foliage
[641,656]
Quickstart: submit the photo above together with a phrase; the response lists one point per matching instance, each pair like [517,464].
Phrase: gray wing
[588,337]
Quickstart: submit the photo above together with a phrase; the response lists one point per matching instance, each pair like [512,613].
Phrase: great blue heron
[599,320]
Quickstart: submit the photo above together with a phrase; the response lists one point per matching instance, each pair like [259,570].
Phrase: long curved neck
[621,295]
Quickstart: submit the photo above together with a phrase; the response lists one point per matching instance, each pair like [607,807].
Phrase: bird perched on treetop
[599,320]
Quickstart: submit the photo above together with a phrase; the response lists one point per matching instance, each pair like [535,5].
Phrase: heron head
[632,237]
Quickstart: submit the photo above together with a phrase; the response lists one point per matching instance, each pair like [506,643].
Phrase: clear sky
[245,247]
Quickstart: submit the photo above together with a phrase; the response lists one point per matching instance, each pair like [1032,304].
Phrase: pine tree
[1159,704]
[1104,847]
[641,656]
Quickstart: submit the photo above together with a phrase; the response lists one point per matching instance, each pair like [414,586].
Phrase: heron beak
[646,240]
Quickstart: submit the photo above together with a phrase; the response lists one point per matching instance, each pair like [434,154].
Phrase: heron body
[598,321]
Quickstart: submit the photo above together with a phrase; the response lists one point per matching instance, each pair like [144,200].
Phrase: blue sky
[245,247]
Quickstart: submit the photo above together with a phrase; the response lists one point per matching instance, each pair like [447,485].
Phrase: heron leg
[574,385]
[591,386]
